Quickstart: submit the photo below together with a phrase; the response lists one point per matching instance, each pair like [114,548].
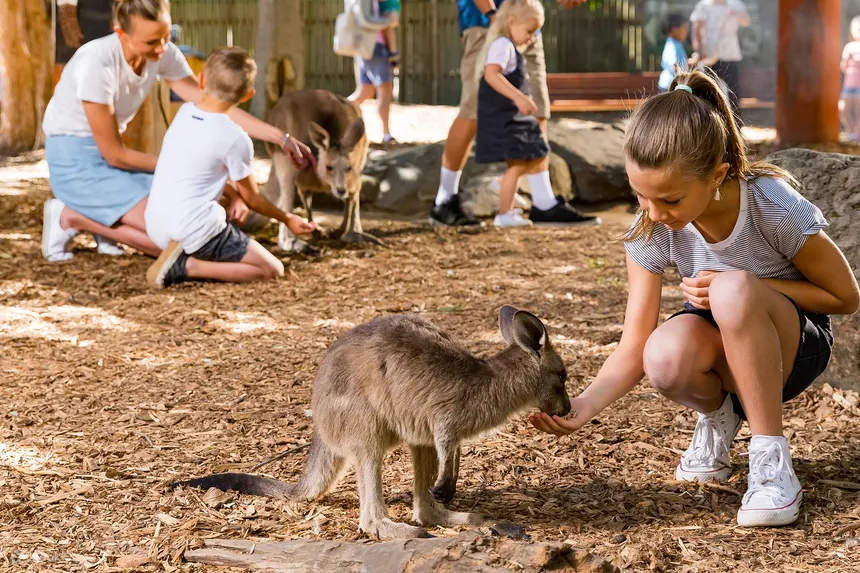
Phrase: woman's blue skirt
[83,180]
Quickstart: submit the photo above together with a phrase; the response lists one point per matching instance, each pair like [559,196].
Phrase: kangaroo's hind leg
[425,510]
[373,516]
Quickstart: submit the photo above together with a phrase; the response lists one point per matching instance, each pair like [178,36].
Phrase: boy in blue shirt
[674,52]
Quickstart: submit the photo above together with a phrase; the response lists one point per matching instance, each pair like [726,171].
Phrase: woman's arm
[830,286]
[106,133]
[623,369]
[189,90]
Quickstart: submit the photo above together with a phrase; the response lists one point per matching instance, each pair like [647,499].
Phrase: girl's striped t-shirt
[772,226]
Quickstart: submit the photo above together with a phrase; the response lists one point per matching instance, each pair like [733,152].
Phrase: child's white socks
[449,182]
[542,196]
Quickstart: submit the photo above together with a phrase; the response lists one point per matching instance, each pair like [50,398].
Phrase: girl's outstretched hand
[300,226]
[578,417]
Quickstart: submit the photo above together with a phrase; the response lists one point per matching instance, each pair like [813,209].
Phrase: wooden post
[808,74]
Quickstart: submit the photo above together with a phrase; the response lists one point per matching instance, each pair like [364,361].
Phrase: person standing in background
[715,41]
[78,22]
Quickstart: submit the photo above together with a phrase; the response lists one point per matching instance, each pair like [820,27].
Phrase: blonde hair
[229,74]
[151,10]
[693,132]
[518,9]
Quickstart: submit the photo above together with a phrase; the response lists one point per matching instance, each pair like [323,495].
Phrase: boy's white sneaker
[54,237]
[513,218]
[106,246]
[707,458]
[773,491]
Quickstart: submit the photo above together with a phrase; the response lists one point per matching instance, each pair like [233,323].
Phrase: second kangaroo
[401,379]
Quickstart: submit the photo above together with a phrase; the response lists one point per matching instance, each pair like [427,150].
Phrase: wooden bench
[613,91]
[599,90]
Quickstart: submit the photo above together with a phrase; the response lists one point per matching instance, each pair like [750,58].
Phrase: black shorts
[228,246]
[813,351]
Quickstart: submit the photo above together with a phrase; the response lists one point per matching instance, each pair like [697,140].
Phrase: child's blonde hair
[518,9]
[693,132]
[229,74]
[151,10]
[500,27]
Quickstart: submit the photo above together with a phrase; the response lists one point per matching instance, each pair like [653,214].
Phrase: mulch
[111,391]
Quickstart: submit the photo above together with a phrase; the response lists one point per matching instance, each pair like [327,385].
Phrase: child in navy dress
[507,127]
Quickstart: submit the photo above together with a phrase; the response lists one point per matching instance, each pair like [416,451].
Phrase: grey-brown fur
[334,128]
[401,379]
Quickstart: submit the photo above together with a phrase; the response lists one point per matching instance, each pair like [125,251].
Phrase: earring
[717,193]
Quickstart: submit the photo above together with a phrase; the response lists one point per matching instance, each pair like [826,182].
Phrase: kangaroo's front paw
[361,238]
[299,246]
[443,493]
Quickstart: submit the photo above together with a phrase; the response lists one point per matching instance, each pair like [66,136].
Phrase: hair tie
[684,87]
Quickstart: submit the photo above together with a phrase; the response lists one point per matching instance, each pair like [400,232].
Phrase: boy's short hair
[672,21]
[229,74]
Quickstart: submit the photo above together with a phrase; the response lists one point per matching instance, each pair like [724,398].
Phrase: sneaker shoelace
[766,468]
[708,444]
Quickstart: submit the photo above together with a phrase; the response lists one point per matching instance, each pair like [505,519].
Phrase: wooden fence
[599,36]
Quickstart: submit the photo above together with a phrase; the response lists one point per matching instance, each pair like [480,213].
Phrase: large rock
[832,182]
[405,181]
[595,153]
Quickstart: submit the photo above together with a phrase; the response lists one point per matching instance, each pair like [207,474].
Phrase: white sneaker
[106,246]
[54,237]
[707,458]
[773,491]
[513,218]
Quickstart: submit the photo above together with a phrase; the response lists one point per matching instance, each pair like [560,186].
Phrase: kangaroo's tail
[321,472]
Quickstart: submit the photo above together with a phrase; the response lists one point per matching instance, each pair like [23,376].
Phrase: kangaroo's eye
[348,168]
[329,168]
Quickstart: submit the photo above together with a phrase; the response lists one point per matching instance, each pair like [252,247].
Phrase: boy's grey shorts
[813,351]
[228,246]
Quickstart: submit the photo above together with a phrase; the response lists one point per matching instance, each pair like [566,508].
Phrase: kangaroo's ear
[528,331]
[506,320]
[318,135]
[353,134]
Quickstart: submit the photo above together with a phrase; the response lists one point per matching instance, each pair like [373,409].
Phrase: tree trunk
[263,53]
[25,64]
[808,74]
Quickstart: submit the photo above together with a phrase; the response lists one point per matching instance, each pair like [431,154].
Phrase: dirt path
[111,391]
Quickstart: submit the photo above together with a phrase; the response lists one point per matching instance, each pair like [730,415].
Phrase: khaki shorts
[473,44]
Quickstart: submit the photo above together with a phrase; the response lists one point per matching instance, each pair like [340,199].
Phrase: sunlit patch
[334,323]
[62,323]
[27,458]
[22,172]
[564,269]
[16,236]
[244,322]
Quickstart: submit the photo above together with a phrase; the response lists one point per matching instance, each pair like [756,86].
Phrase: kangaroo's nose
[341,192]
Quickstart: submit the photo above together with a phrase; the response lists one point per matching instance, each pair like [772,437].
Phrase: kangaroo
[397,379]
[334,129]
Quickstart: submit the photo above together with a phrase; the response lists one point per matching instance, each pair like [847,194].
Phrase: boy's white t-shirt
[201,150]
[99,73]
[503,53]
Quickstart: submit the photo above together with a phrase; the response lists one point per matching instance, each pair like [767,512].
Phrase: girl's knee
[733,295]
[665,364]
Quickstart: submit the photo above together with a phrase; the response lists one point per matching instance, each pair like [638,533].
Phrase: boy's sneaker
[561,213]
[54,237]
[513,218]
[773,491]
[707,458]
[105,246]
[168,268]
[451,213]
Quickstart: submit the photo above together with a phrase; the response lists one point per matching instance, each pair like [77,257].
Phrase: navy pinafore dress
[503,132]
